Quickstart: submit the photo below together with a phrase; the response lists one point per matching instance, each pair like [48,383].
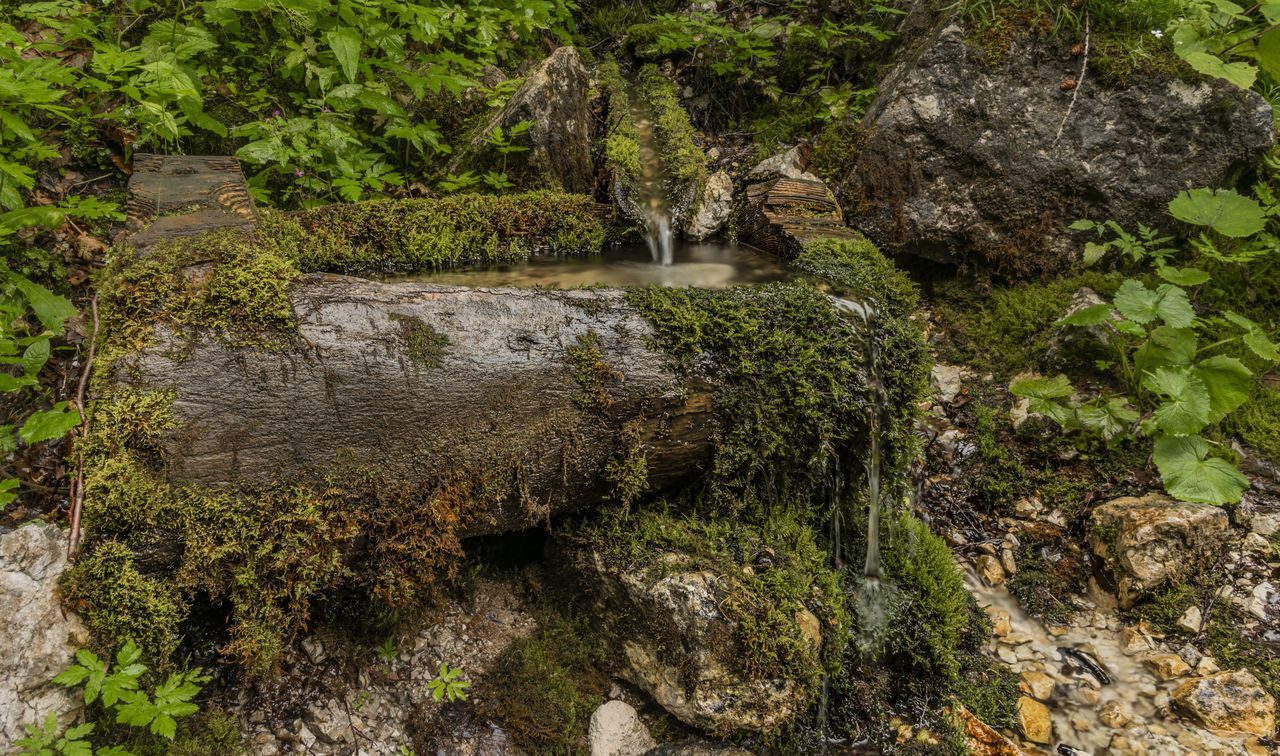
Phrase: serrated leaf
[48,424]
[72,676]
[1189,473]
[51,309]
[1178,345]
[1239,73]
[1093,252]
[1083,225]
[1183,276]
[1056,387]
[1255,338]
[1230,383]
[1224,210]
[1089,316]
[345,43]
[1186,408]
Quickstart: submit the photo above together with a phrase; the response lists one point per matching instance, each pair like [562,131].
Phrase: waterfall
[660,237]
[650,190]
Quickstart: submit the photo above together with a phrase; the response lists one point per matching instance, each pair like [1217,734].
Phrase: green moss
[789,385]
[684,160]
[856,269]
[629,470]
[119,603]
[545,687]
[621,149]
[1257,422]
[592,373]
[424,345]
[206,733]
[836,150]
[1046,589]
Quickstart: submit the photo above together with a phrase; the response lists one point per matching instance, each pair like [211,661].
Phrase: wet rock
[990,569]
[553,98]
[1228,701]
[1036,684]
[37,640]
[962,160]
[1032,718]
[616,730]
[982,739]
[1115,714]
[1134,641]
[689,667]
[713,209]
[1166,666]
[1154,540]
[999,621]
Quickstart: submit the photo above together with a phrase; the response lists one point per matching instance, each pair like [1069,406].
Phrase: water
[704,265]
[650,191]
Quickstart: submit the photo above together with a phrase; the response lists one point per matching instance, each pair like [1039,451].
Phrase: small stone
[1006,561]
[616,730]
[1115,715]
[1166,666]
[1207,666]
[1007,655]
[1020,413]
[1134,641]
[1016,638]
[1256,543]
[999,621]
[1190,654]
[1190,620]
[1080,723]
[1265,524]
[1036,684]
[990,569]
[810,628]
[945,380]
[314,650]
[1228,701]
[1157,730]
[1257,602]
[1032,718]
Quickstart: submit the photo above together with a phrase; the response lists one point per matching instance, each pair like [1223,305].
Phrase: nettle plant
[1176,384]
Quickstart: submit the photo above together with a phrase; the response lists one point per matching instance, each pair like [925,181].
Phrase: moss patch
[684,160]
[592,373]
[621,149]
[424,345]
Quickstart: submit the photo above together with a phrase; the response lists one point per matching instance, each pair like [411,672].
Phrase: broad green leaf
[7,486]
[1083,225]
[73,675]
[1142,305]
[1093,252]
[1224,210]
[1089,316]
[1254,337]
[35,356]
[13,383]
[1267,52]
[1179,344]
[51,309]
[1186,407]
[1190,474]
[1183,276]
[1056,387]
[1230,383]
[48,424]
[345,43]
[1239,73]
[1110,419]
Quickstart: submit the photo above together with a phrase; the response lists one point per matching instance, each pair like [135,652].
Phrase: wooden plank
[186,195]
[783,213]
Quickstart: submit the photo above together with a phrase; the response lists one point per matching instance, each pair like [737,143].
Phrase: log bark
[781,214]
[494,389]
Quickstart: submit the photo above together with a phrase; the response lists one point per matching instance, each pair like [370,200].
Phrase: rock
[1190,621]
[1259,599]
[945,382]
[491,76]
[1036,684]
[1032,718]
[616,730]
[1228,701]
[795,163]
[688,666]
[962,161]
[1020,413]
[314,649]
[1154,539]
[1265,524]
[984,740]
[1256,543]
[1207,666]
[990,569]
[37,640]
[1166,666]
[780,215]
[1115,714]
[713,208]
[810,627]
[1028,507]
[999,621]
[696,746]
[553,98]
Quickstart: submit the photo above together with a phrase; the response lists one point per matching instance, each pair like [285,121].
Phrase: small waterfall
[650,190]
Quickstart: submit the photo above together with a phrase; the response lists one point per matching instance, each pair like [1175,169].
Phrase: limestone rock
[616,730]
[990,569]
[1228,701]
[713,209]
[553,98]
[984,740]
[945,382]
[1166,666]
[1032,718]
[793,164]
[1036,684]
[37,641]
[1154,539]
[689,666]
[1115,714]
[961,161]
[1190,621]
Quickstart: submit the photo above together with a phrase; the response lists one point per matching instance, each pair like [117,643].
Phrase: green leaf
[1093,252]
[1230,383]
[1178,345]
[345,43]
[1056,387]
[1183,277]
[1224,210]
[1083,225]
[1142,305]
[1189,475]
[1110,419]
[48,424]
[1255,338]
[1089,316]
[35,356]
[51,309]
[1267,52]
[1186,407]
[7,485]
[1239,73]
[73,675]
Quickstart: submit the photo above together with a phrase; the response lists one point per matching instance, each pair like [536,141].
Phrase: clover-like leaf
[1230,383]
[1187,406]
[1182,276]
[1190,474]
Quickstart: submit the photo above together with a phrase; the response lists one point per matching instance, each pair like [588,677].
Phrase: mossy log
[545,393]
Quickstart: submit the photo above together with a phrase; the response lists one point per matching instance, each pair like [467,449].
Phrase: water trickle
[651,191]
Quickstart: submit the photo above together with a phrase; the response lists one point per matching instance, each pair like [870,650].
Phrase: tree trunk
[555,389]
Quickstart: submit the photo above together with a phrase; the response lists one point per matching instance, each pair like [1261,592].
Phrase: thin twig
[77,498]
[1084,66]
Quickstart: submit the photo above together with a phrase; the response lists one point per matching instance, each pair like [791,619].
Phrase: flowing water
[705,265]
[650,191]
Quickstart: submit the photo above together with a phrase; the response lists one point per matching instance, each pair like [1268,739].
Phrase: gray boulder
[37,638]
[553,99]
[962,167]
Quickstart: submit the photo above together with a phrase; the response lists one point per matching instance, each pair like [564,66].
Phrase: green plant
[117,690]
[447,685]
[1174,386]
[1218,38]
